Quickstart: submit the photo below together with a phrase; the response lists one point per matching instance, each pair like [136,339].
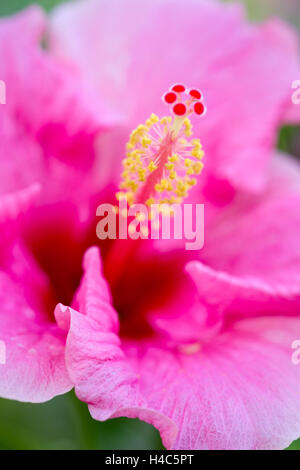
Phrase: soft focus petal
[241,296]
[12,206]
[34,369]
[241,391]
[259,237]
[188,42]
[50,122]
[35,365]
[185,318]
[95,359]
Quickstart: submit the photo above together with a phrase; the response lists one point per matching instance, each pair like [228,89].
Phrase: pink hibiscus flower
[197,344]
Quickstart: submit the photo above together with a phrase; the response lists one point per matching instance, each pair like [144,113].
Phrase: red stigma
[170,97]
[199,108]
[185,101]
[178,88]
[179,109]
[195,94]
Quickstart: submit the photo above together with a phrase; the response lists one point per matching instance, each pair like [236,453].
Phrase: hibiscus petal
[257,274]
[34,366]
[34,369]
[247,98]
[259,238]
[50,122]
[11,207]
[95,359]
[240,391]
[241,296]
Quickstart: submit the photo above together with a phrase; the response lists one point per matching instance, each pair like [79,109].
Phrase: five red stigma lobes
[195,97]
[162,158]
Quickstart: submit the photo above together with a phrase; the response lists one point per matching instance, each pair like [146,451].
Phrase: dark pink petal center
[145,283]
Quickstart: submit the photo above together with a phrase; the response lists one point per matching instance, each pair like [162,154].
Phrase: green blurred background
[64,422]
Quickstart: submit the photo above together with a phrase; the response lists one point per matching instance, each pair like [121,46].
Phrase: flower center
[162,158]
[160,166]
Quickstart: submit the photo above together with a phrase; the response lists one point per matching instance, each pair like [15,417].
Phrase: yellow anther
[174,200]
[174,158]
[152,166]
[164,120]
[142,174]
[150,201]
[169,166]
[188,162]
[141,128]
[131,185]
[197,166]
[146,142]
[130,198]
[190,171]
[149,123]
[134,155]
[154,118]
[187,123]
[158,188]
[197,153]
[188,127]
[192,182]
[133,134]
[164,183]
[126,162]
[181,185]
[132,167]
[134,137]
[182,188]
[172,175]
[181,192]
